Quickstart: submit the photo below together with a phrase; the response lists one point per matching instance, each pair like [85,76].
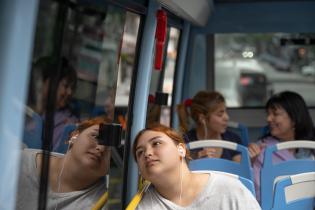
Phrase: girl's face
[89,153]
[217,120]
[64,93]
[156,154]
[281,125]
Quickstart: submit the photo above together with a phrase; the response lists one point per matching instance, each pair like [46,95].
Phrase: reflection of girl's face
[156,154]
[64,93]
[89,154]
[217,120]
[281,125]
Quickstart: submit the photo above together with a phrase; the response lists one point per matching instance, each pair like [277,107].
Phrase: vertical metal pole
[180,72]
[141,93]
[50,106]
[17,26]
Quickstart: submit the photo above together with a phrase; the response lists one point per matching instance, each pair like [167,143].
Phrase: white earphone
[181,151]
[204,124]
[71,141]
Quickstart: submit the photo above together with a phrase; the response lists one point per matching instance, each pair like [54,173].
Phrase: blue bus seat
[32,136]
[269,171]
[242,169]
[240,129]
[295,192]
[264,130]
[97,111]
[63,146]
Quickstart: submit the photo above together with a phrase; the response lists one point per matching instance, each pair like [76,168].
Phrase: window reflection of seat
[32,136]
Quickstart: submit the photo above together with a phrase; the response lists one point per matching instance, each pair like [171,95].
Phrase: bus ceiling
[196,12]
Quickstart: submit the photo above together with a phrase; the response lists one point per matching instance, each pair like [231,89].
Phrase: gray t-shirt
[222,192]
[28,187]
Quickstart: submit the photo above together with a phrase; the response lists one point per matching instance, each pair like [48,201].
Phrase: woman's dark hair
[48,67]
[297,110]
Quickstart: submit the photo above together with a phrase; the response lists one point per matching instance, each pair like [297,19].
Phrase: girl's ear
[181,150]
[74,135]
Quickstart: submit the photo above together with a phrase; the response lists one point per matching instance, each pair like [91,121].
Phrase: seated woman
[161,156]
[76,179]
[288,119]
[43,73]
[208,111]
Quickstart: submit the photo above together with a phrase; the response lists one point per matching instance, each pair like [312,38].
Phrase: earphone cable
[181,180]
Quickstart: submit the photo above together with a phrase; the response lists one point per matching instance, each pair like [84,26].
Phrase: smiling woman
[160,153]
[43,75]
[76,179]
[288,119]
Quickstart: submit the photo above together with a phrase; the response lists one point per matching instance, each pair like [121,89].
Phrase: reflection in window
[251,67]
[95,52]
[162,81]
[170,62]
[99,45]
[169,74]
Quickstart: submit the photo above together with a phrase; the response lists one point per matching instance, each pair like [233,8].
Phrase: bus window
[97,46]
[251,67]
[169,73]
[162,80]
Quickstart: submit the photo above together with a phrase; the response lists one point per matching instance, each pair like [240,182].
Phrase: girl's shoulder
[231,136]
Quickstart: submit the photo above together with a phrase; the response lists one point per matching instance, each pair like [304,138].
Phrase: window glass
[169,74]
[96,64]
[171,62]
[251,67]
[162,82]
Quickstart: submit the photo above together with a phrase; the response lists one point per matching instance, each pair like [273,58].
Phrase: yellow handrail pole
[137,198]
[101,201]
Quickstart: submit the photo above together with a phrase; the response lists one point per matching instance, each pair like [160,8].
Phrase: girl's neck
[68,176]
[192,185]
[173,193]
[288,137]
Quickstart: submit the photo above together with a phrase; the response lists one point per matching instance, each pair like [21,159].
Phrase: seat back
[295,192]
[242,169]
[269,171]
[264,130]
[32,136]
[240,129]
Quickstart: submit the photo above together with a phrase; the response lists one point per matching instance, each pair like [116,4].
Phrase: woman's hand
[210,152]
[255,150]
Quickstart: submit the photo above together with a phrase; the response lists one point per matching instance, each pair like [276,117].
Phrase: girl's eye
[94,135]
[139,153]
[276,113]
[157,143]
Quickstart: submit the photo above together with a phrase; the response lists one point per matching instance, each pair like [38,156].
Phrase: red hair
[175,136]
[88,123]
